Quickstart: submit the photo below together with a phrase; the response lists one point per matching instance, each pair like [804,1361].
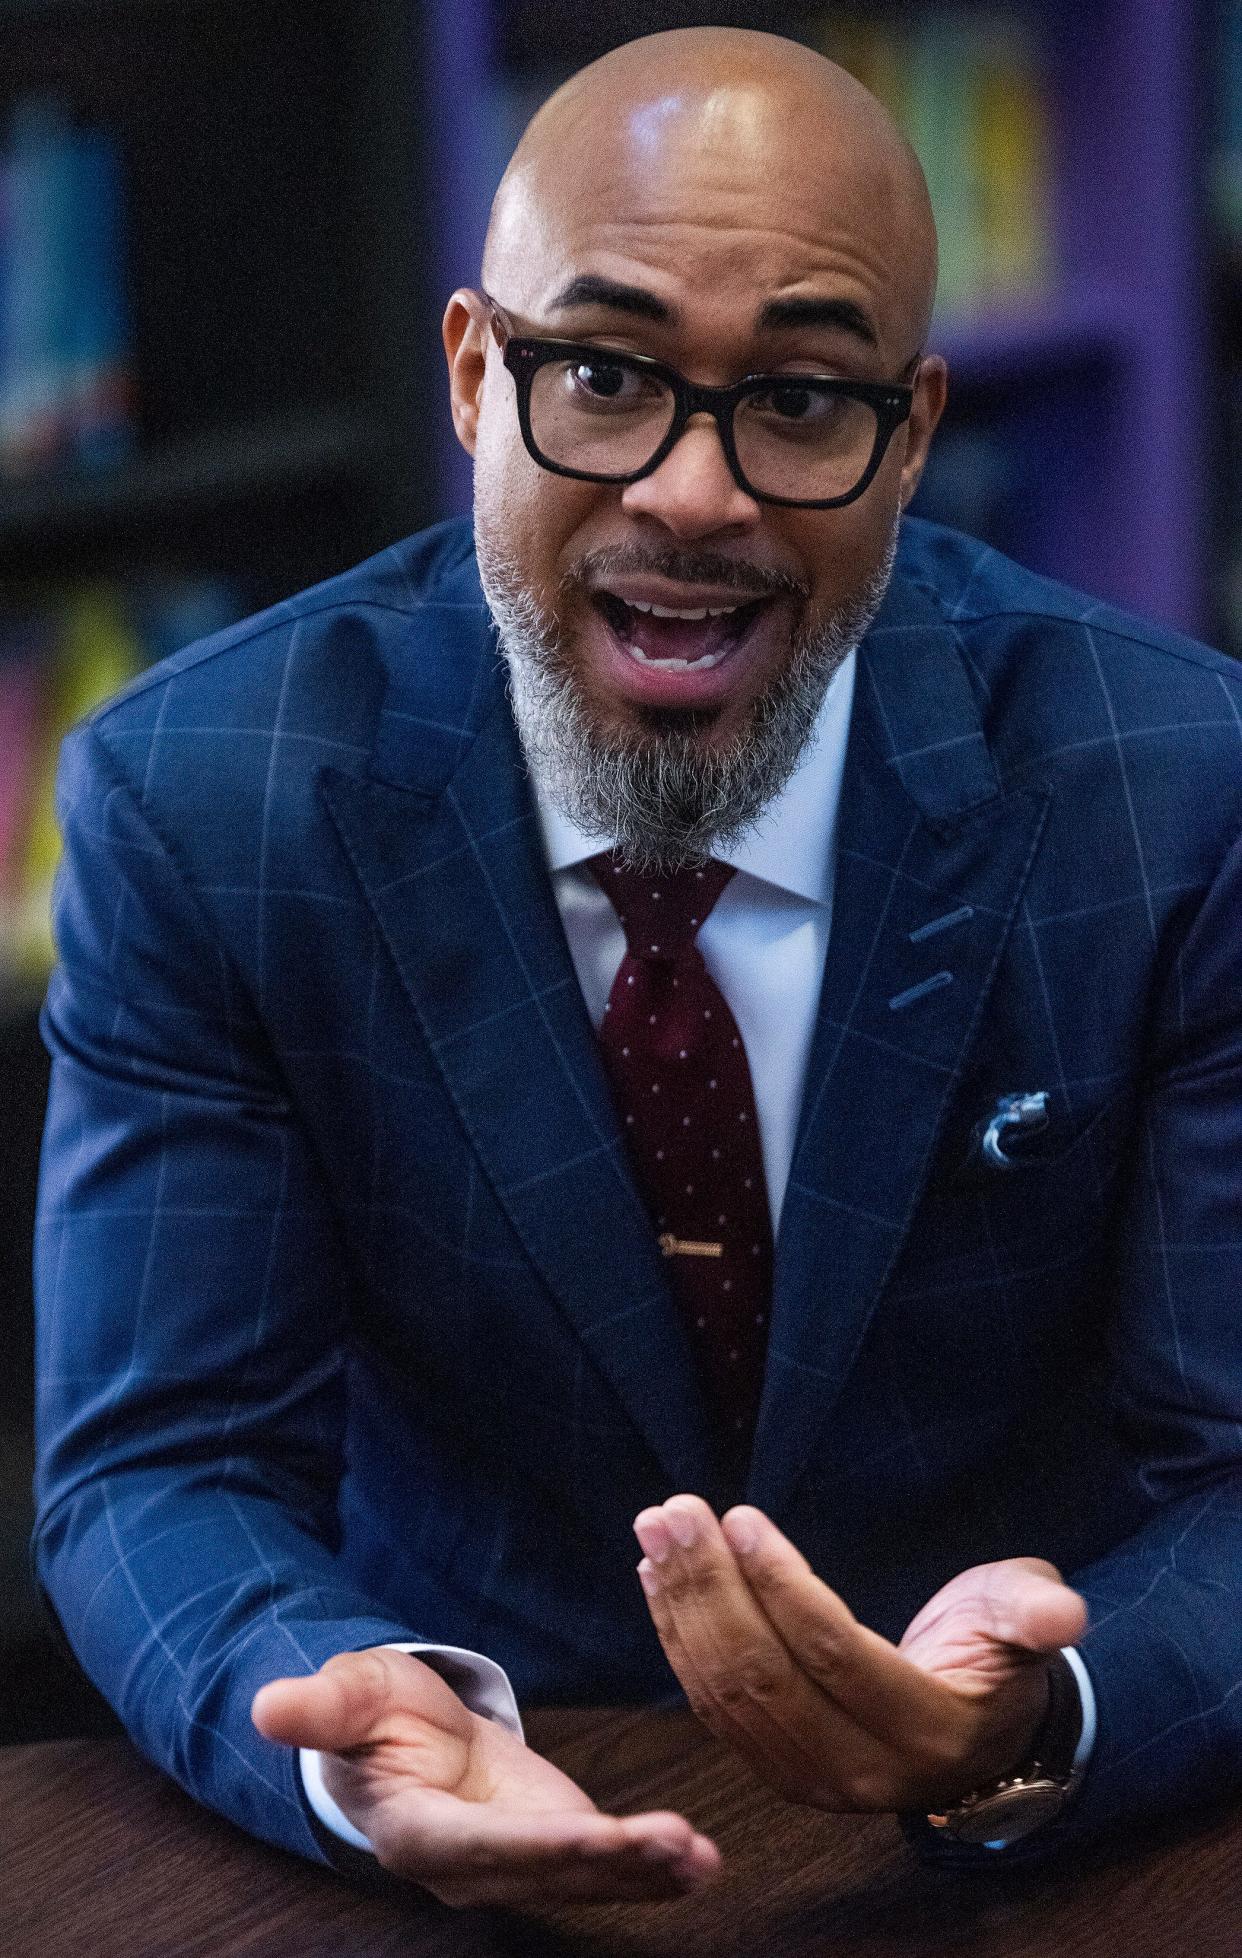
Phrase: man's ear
[931,389]
[464,331]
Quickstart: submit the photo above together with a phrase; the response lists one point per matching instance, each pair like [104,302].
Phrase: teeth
[676,612]
[675,665]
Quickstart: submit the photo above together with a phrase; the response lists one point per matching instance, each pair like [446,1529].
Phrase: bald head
[717,128]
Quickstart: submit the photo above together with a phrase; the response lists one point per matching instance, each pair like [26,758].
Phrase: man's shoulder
[321,657]
[992,601]
[1057,672]
[1128,719]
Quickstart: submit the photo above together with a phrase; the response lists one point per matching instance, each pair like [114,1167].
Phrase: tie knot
[660,912]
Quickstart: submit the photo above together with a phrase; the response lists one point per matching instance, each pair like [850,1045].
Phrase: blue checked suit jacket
[351,1324]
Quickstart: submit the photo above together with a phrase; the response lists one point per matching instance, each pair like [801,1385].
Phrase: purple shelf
[1038,335]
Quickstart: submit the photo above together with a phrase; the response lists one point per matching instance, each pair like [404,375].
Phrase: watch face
[1011,1813]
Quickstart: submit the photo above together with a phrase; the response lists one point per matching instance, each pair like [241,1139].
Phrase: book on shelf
[967,89]
[1011,125]
[66,339]
[60,658]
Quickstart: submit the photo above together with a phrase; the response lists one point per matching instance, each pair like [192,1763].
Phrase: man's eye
[794,403]
[607,384]
[600,378]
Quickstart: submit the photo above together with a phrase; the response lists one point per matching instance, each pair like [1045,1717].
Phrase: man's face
[689,240]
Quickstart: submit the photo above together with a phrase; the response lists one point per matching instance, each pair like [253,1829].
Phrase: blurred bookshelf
[219,370]
[181,474]
[218,351]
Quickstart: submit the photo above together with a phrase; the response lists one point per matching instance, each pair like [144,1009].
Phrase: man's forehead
[722,157]
[710,188]
[674,273]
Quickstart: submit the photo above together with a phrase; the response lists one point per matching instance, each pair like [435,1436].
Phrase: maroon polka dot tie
[682,1086]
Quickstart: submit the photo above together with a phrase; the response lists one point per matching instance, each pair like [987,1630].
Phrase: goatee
[664,795]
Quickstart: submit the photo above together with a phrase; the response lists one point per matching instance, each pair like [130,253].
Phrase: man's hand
[826,1711]
[459,1804]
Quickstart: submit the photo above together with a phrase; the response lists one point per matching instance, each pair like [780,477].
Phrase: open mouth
[678,639]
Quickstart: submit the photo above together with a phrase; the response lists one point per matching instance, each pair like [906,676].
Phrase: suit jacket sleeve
[1165,1643]
[192,1298]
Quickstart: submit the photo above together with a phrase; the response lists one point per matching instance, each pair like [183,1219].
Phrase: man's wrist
[1039,1788]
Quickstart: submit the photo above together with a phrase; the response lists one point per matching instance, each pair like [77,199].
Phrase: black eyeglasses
[811,441]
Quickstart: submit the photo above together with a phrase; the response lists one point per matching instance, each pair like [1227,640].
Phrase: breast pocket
[1050,1204]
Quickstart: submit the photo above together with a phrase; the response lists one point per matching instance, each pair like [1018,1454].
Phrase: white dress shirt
[765,943]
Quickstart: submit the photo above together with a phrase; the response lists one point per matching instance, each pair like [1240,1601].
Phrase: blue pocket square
[1013,1116]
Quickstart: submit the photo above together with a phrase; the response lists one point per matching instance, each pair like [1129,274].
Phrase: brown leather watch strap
[1060,1730]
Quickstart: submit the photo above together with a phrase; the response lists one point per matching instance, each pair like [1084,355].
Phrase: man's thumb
[336,1708]
[1033,1608]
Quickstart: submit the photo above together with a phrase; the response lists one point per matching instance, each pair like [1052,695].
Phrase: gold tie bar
[688,1247]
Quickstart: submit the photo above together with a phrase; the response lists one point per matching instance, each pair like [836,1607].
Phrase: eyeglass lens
[792,439]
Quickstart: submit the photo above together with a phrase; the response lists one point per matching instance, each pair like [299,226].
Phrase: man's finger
[480,1853]
[341,1706]
[1030,1607]
[739,1676]
[336,1708]
[984,1620]
[865,1676]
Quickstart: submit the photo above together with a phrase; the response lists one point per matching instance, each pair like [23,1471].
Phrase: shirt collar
[791,843]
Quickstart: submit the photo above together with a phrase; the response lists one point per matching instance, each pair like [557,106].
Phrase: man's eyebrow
[808,310]
[589,289]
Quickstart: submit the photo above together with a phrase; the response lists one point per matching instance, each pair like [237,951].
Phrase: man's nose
[693,492]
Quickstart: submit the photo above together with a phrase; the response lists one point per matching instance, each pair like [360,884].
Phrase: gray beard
[664,797]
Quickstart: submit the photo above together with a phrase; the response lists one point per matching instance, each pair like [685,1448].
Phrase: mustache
[686,568]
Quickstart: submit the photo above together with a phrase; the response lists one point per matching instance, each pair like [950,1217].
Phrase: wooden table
[100,1857]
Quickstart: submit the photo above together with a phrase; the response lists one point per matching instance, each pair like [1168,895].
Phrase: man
[397,1259]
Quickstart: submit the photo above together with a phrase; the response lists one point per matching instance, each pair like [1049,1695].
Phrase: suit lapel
[444,839]
[924,833]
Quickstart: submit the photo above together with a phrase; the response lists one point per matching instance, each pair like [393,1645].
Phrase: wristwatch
[1005,1810]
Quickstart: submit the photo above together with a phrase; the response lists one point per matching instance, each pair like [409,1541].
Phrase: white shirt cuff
[480,1682]
[1086,1693]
